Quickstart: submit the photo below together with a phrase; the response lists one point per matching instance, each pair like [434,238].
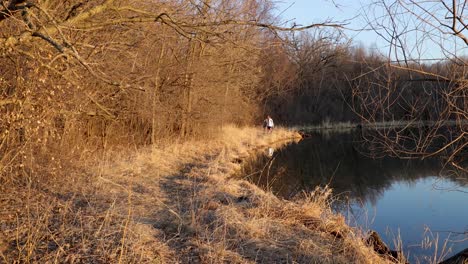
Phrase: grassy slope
[176,204]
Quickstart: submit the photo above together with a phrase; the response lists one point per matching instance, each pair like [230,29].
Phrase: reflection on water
[390,195]
[419,212]
[270,152]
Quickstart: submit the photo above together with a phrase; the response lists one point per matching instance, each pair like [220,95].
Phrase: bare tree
[436,122]
[112,72]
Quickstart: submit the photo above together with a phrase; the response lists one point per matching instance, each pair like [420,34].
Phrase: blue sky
[314,11]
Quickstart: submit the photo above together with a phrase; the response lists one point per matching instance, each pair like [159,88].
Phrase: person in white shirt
[268,124]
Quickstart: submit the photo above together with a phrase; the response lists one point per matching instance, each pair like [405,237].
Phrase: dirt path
[196,214]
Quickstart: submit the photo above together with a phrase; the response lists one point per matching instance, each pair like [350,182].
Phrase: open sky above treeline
[356,16]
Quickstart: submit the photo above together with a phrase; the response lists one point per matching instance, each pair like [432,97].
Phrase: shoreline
[350,126]
[211,217]
[179,204]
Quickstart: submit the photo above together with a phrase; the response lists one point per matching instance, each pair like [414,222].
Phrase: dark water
[412,201]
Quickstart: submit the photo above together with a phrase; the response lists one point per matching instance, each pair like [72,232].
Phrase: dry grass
[174,204]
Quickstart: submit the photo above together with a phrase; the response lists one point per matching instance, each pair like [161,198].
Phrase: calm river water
[412,201]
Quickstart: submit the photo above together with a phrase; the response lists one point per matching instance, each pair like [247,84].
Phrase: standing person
[268,124]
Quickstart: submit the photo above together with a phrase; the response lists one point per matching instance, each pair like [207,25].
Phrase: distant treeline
[329,80]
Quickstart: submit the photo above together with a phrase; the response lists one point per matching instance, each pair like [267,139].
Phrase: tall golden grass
[173,204]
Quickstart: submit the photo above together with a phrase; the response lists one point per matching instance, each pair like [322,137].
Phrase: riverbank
[346,127]
[176,204]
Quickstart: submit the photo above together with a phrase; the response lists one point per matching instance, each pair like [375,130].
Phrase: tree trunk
[157,84]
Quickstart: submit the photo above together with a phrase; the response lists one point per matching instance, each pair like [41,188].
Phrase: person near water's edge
[268,124]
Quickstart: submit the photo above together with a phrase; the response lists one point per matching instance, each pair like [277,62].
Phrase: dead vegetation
[81,80]
[173,205]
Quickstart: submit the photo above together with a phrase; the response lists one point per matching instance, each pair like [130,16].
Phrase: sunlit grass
[177,203]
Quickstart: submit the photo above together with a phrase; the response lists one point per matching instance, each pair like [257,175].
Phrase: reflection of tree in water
[335,160]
